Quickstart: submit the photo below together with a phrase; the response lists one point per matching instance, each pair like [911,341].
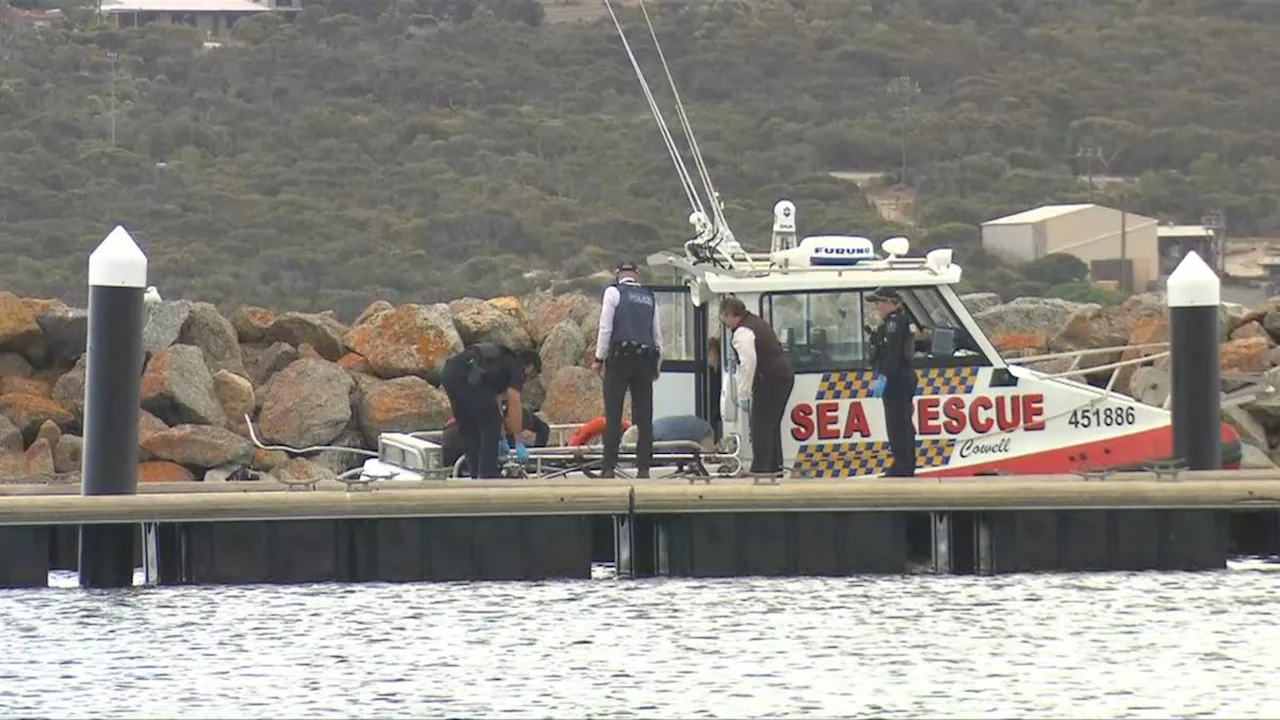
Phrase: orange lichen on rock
[163,471]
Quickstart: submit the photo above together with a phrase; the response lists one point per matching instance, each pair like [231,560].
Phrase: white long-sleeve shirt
[609,306]
[744,341]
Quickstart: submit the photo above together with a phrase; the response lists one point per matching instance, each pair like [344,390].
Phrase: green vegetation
[425,149]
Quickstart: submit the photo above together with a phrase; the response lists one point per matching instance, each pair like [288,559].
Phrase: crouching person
[476,380]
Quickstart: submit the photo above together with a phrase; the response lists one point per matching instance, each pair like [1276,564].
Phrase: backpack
[483,356]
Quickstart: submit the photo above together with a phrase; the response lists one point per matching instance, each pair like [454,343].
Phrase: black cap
[626,267]
[885,293]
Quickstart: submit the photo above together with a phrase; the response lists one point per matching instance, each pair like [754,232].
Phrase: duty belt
[629,347]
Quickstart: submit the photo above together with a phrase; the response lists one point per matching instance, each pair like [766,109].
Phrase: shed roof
[1035,215]
[1183,231]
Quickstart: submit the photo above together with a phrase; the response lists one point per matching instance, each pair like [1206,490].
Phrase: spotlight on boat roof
[896,246]
[938,260]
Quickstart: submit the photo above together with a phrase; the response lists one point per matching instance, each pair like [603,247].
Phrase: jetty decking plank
[496,499]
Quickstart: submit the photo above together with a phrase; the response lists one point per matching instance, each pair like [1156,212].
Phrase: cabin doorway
[682,388]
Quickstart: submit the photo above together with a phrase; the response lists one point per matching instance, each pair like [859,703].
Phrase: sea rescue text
[935,415]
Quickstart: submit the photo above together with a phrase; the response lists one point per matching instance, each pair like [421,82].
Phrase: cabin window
[828,331]
[393,455]
[413,460]
[675,316]
[820,331]
[941,338]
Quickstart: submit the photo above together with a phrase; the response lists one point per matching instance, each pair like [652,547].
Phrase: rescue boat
[975,412]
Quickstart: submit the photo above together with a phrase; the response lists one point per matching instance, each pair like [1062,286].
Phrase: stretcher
[419,456]
[671,459]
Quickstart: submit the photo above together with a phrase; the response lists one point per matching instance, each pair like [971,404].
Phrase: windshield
[819,330]
[930,311]
[827,331]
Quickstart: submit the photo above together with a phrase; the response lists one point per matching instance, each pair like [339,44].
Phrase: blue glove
[522,452]
[503,448]
[877,388]
[744,404]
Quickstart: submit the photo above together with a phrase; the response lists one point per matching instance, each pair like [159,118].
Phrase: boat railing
[1077,354]
[748,264]
[1255,384]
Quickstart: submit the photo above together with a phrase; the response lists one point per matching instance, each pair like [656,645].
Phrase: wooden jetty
[257,532]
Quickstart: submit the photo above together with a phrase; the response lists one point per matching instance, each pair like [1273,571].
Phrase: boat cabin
[974,412]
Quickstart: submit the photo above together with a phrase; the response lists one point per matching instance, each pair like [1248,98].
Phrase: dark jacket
[894,345]
[771,359]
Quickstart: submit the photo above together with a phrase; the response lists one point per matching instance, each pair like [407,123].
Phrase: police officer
[453,447]
[895,378]
[629,348]
[476,380]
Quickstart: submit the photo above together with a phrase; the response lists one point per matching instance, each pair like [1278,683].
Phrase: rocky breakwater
[305,379]
[1248,352]
[309,379]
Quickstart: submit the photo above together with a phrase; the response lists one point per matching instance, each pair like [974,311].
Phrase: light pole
[1216,222]
[1089,153]
[906,90]
[111,55]
[1126,273]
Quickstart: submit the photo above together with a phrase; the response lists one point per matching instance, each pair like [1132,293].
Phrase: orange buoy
[590,430]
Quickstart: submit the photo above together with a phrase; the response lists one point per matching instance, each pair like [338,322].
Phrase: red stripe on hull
[1132,449]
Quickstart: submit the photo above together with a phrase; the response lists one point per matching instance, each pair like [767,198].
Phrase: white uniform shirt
[744,341]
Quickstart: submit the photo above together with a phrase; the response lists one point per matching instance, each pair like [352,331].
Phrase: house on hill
[1113,243]
[40,17]
[214,18]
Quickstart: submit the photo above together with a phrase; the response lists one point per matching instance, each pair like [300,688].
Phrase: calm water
[1097,645]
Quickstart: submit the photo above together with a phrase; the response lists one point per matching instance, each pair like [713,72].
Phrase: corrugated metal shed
[1040,214]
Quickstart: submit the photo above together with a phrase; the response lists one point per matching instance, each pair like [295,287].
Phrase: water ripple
[1087,645]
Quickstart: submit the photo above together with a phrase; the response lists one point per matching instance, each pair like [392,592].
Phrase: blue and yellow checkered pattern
[856,384]
[865,458]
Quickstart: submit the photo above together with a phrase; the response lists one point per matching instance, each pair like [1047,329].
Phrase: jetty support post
[1194,295]
[940,540]
[962,542]
[1194,539]
[640,543]
[117,286]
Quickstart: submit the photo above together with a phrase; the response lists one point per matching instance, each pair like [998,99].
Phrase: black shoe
[642,474]
[895,472]
[607,474]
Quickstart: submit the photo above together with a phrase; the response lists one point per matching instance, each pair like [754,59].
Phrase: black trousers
[899,390]
[769,396]
[632,373]
[451,445]
[479,423]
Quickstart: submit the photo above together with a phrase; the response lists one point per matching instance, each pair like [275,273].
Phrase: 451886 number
[1102,417]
